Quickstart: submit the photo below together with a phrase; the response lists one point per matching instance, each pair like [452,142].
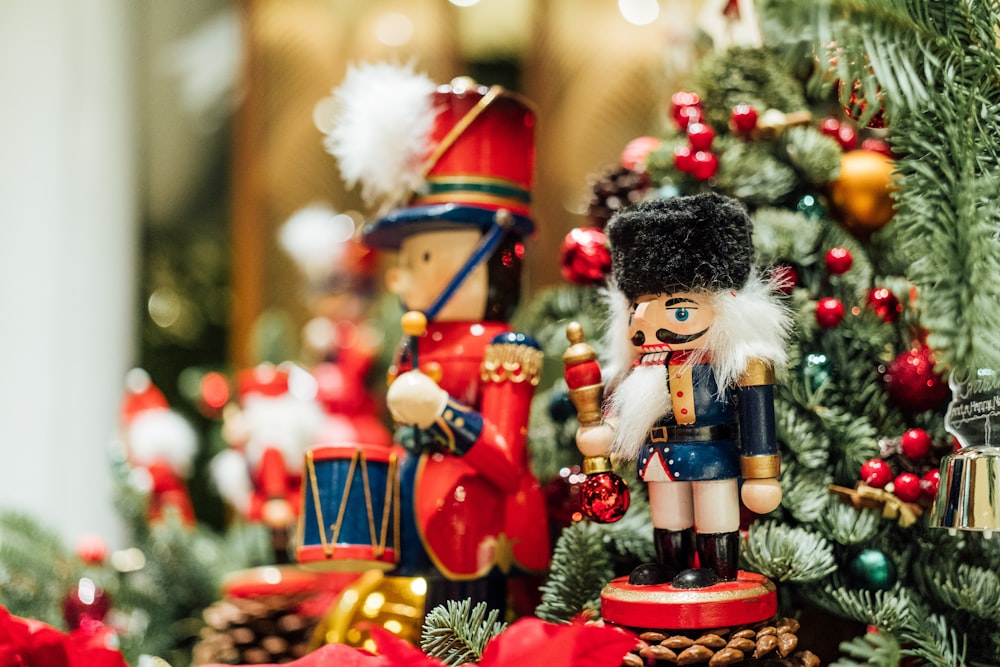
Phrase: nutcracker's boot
[674,552]
[718,557]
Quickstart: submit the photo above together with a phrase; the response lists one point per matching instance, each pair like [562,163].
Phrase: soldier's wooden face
[669,322]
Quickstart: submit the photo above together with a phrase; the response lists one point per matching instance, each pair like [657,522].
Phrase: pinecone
[763,645]
[267,629]
[613,190]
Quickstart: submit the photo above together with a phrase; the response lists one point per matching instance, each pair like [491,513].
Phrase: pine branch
[846,524]
[875,648]
[805,491]
[457,633]
[888,610]
[934,642]
[782,553]
[580,568]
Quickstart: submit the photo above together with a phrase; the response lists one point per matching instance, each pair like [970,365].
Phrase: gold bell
[969,494]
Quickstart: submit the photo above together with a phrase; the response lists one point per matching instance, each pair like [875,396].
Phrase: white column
[67,249]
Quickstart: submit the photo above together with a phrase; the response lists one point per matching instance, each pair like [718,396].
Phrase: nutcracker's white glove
[414,398]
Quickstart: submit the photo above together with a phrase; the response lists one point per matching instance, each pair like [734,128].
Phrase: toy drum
[350,509]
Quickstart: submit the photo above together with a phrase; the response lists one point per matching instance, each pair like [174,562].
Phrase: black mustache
[669,337]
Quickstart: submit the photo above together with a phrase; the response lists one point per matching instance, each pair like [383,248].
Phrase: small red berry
[683,159]
[744,118]
[885,304]
[704,165]
[701,136]
[685,106]
[916,443]
[930,482]
[785,277]
[876,473]
[839,260]
[829,312]
[829,126]
[906,486]
[847,137]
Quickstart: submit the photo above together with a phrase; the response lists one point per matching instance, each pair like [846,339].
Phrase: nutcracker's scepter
[604,496]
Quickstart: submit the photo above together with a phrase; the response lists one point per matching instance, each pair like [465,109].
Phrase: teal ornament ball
[816,369]
[810,206]
[873,570]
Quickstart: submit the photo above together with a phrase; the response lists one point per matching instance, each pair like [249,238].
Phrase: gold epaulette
[512,361]
[758,372]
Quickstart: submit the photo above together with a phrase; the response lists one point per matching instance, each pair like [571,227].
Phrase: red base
[750,599]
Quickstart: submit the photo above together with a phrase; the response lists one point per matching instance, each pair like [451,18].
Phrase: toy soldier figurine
[698,336]
[462,384]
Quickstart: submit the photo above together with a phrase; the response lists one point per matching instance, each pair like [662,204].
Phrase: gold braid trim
[510,361]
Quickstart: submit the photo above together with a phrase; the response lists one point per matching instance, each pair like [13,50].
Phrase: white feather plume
[378,124]
[750,323]
[162,435]
[231,476]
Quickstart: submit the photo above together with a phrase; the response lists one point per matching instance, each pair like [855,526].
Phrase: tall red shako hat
[433,157]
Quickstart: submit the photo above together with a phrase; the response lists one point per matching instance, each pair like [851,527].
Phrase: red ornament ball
[906,486]
[604,497]
[636,151]
[701,136]
[744,118]
[704,165]
[885,304]
[916,443]
[839,260]
[829,126]
[930,482]
[829,312]
[912,383]
[876,473]
[85,601]
[877,146]
[584,258]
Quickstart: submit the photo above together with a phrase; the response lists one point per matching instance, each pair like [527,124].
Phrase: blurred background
[154,151]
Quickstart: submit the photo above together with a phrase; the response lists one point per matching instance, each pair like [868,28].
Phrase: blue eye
[681,314]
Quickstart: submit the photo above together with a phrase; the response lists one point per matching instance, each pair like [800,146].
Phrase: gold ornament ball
[861,195]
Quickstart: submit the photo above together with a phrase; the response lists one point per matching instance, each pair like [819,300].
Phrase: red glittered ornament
[584,258]
[604,497]
[916,443]
[876,473]
[885,304]
[829,312]
[85,601]
[912,383]
[839,260]
[856,106]
[906,487]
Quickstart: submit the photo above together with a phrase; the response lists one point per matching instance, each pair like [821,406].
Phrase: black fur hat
[681,244]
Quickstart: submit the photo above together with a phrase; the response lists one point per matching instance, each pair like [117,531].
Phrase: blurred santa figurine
[160,445]
[268,433]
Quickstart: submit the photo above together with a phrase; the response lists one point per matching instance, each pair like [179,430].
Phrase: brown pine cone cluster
[773,644]
[253,631]
[613,190]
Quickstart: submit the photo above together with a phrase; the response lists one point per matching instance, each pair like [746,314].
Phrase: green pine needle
[581,566]
[846,524]
[875,648]
[457,633]
[782,553]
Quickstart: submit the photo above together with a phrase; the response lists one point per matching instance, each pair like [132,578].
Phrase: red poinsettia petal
[531,642]
[399,652]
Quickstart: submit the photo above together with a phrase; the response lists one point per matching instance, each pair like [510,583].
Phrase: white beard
[638,402]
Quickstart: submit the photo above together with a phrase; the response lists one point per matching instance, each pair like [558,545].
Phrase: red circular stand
[752,598]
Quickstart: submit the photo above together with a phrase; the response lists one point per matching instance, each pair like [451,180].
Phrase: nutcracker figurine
[160,446]
[458,190]
[268,433]
[697,337]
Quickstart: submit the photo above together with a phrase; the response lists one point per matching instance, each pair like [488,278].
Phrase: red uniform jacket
[483,508]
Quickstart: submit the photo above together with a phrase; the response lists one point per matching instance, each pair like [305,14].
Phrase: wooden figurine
[457,195]
[696,339]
